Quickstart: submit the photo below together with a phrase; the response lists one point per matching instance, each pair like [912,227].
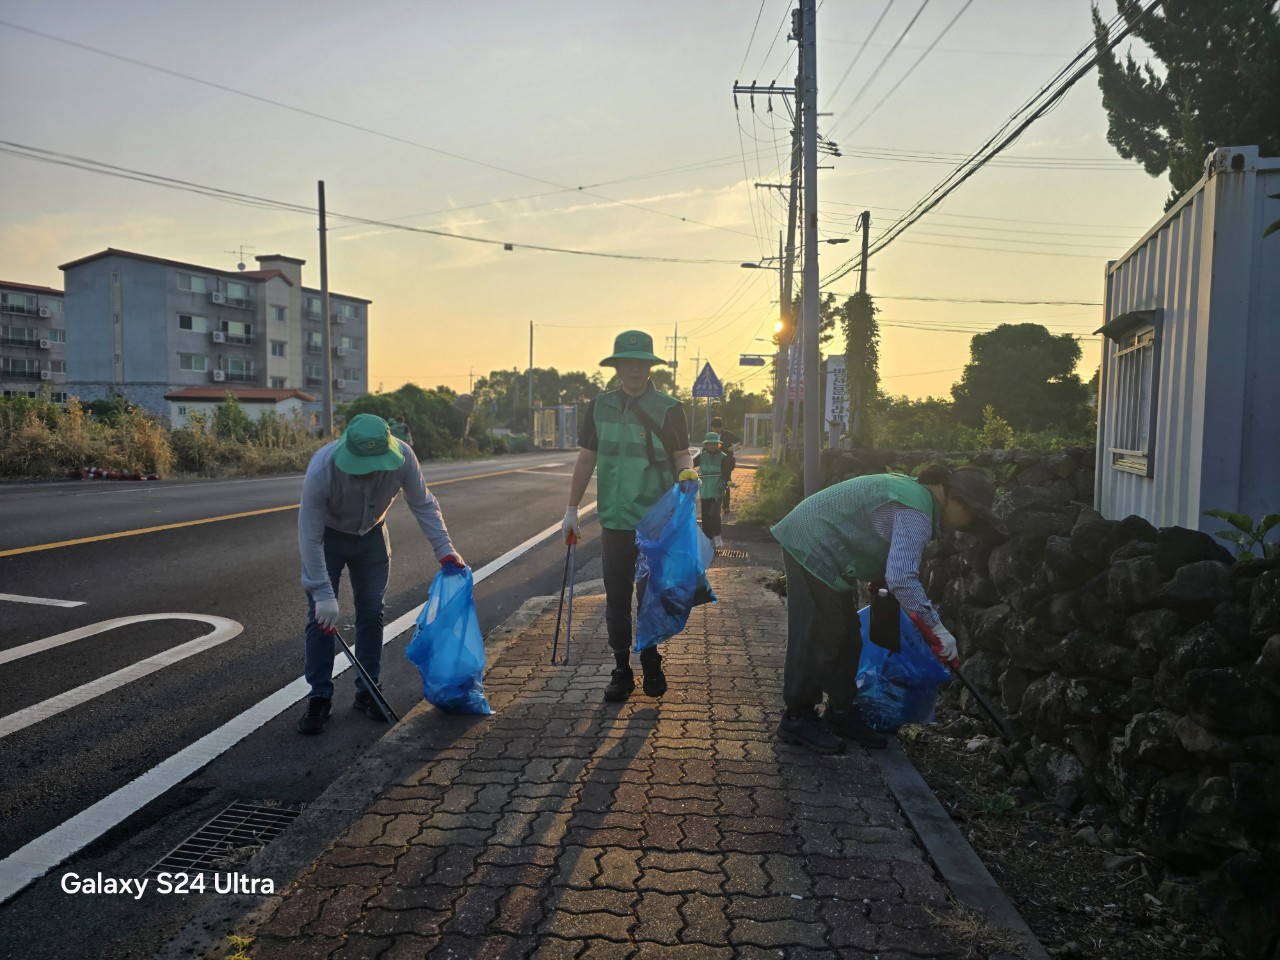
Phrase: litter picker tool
[932,639]
[384,707]
[570,573]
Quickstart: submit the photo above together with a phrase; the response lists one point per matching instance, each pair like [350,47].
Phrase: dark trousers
[366,560]
[619,552]
[728,479]
[824,642]
[711,518]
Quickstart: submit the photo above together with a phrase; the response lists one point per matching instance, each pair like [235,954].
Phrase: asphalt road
[244,569]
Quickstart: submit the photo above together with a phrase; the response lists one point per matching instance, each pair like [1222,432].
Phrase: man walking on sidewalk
[713,466]
[638,440]
[861,530]
[729,441]
[349,487]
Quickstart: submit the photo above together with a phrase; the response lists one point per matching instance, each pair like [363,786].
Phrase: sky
[596,126]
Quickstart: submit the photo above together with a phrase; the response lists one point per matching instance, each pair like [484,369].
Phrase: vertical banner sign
[837,393]
[795,377]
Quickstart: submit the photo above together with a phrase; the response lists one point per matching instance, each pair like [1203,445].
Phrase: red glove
[452,564]
[933,640]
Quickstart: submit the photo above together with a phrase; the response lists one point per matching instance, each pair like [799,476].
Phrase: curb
[957,862]
[324,819]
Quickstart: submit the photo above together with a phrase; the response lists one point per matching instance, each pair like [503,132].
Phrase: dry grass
[976,931]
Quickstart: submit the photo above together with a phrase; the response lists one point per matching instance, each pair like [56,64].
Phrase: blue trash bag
[447,647]
[895,689]
[672,566]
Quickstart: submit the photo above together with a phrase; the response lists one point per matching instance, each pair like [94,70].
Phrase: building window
[315,343]
[237,369]
[277,348]
[279,383]
[196,362]
[314,311]
[53,306]
[57,366]
[20,368]
[188,321]
[351,343]
[191,283]
[56,336]
[20,303]
[280,314]
[351,373]
[19,336]
[59,396]
[314,375]
[348,310]
[1134,416]
[237,331]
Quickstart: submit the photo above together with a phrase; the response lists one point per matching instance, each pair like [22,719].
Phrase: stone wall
[1141,669]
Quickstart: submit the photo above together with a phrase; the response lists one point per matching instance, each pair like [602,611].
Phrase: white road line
[223,631]
[35,859]
[102,626]
[15,598]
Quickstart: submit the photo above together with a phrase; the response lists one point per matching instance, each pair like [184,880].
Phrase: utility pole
[326,403]
[812,365]
[693,401]
[862,267]
[673,344]
[531,424]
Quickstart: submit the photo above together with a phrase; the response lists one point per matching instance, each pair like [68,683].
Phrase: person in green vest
[866,529]
[636,441]
[714,465]
[400,429]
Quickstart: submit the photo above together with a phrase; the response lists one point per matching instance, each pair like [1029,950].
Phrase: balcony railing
[13,374]
[20,341]
[20,308]
[239,339]
[314,381]
[315,348]
[239,376]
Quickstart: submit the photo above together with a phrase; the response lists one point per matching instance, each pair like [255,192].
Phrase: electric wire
[854,62]
[881,65]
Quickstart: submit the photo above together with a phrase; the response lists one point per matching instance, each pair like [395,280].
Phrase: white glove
[569,525]
[327,614]
[948,651]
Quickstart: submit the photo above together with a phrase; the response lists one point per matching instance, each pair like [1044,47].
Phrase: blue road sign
[708,384]
[751,361]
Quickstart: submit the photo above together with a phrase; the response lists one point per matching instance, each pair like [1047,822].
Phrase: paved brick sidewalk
[564,827]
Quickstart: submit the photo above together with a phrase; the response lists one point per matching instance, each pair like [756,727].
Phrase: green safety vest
[710,467]
[830,533]
[633,465]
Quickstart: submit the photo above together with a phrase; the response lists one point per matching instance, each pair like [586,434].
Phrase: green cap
[366,446]
[631,345]
[711,438]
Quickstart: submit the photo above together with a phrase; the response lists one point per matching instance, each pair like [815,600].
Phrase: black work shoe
[317,715]
[365,703]
[806,730]
[655,681]
[621,683]
[850,725]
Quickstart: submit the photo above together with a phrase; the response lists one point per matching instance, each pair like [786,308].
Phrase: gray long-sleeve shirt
[356,504]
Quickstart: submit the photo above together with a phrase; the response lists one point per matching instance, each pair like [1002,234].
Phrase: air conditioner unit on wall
[217,297]
[46,344]
[46,313]
[219,376]
[219,336]
[45,374]
[340,384]
[339,318]
[339,351]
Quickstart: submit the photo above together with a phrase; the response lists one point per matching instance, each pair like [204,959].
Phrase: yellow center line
[194,523]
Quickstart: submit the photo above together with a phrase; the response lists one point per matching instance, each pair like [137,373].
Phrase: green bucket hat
[631,345]
[366,446]
[711,438]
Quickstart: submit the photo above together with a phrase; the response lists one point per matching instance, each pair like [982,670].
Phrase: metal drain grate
[229,839]
[732,554]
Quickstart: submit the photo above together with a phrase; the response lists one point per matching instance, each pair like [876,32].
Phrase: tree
[1220,84]
[861,362]
[437,426]
[1026,374]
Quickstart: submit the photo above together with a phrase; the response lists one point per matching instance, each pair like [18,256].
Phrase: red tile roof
[243,394]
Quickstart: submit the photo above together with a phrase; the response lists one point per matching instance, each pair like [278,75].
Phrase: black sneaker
[621,683]
[365,703]
[317,715]
[850,725]
[806,730]
[655,681]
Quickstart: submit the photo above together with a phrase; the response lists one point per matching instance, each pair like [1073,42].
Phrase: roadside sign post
[708,385]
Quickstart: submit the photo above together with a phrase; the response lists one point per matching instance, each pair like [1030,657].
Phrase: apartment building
[32,341]
[144,326]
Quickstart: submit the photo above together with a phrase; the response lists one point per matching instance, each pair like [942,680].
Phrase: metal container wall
[1215,283]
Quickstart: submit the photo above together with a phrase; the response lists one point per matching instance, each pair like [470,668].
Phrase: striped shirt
[907,531]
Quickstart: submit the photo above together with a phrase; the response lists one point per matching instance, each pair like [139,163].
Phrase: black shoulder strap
[652,428]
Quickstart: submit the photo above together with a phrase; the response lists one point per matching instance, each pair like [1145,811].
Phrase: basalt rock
[1065,568]
[1177,546]
[1133,585]
[1268,665]
[1058,774]
[1264,601]
[1153,634]
[1229,700]
[1198,587]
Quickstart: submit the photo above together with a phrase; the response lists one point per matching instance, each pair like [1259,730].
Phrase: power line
[231,196]
[352,126]
[1037,106]
[911,69]
[852,63]
[1037,303]
[880,66]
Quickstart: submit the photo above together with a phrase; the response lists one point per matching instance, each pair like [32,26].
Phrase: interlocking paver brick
[563,828]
